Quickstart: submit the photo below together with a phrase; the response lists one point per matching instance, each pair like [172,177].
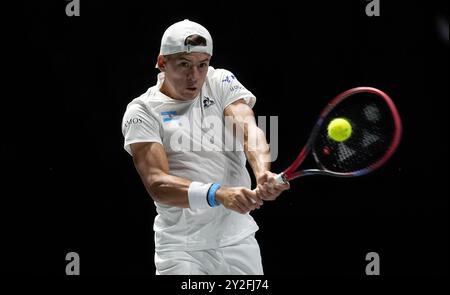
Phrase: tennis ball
[339,129]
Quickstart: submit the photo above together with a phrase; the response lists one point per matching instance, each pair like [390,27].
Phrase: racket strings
[372,131]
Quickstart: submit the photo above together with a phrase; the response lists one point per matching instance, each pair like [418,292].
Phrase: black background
[68,185]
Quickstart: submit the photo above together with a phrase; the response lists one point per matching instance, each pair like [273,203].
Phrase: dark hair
[195,40]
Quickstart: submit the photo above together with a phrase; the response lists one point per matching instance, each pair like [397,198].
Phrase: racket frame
[290,173]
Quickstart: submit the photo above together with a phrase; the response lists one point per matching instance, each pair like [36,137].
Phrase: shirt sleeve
[230,89]
[139,124]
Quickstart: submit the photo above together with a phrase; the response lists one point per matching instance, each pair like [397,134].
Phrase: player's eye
[185,64]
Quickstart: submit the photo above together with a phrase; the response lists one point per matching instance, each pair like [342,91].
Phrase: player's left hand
[268,188]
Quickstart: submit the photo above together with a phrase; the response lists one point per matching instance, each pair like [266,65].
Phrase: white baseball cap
[173,39]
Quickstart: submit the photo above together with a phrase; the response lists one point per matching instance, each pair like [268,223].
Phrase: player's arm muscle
[151,162]
[255,144]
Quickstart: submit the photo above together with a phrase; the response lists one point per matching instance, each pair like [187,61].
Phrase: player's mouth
[191,88]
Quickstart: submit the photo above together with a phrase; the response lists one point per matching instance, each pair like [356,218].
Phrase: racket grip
[280,179]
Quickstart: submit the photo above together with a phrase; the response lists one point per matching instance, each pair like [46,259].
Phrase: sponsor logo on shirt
[132,121]
[228,79]
[168,116]
[207,102]
[236,87]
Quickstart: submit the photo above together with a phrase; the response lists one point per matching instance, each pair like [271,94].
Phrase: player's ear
[161,63]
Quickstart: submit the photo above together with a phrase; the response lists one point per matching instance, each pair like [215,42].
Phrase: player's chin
[191,92]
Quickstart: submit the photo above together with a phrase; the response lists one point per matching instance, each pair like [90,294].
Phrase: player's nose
[193,73]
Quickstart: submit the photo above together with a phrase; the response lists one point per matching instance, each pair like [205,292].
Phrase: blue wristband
[211,198]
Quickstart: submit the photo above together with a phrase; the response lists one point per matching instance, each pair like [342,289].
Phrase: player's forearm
[257,151]
[168,189]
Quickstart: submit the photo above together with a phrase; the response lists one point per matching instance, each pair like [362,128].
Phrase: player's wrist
[259,175]
[212,196]
[203,195]
[197,195]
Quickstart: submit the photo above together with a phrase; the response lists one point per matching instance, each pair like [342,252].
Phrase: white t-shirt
[193,135]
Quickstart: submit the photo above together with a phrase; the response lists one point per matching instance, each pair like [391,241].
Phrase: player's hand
[239,199]
[268,188]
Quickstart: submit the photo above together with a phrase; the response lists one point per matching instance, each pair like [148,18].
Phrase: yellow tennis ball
[339,129]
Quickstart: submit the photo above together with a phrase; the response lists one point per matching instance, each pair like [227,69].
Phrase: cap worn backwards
[174,38]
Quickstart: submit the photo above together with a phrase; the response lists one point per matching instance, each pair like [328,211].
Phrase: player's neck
[166,90]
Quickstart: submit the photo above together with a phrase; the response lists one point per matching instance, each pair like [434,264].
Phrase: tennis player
[176,133]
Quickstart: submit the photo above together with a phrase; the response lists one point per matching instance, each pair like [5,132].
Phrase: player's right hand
[268,189]
[239,199]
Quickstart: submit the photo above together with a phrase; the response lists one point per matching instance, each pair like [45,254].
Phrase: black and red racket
[376,131]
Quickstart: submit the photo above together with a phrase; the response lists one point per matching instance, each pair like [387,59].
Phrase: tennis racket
[376,132]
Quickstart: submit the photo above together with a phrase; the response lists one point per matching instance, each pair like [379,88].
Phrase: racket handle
[280,179]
